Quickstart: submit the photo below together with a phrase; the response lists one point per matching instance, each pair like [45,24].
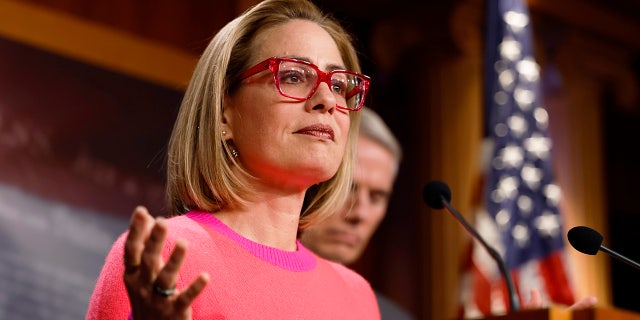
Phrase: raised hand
[586,302]
[150,282]
[535,301]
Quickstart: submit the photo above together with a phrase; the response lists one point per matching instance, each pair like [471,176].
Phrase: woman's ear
[225,120]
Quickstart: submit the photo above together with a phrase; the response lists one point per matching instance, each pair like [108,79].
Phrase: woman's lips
[348,238]
[318,130]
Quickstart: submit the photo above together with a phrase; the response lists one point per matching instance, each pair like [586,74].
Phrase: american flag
[519,213]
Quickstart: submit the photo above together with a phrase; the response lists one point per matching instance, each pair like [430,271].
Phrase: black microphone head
[433,193]
[585,239]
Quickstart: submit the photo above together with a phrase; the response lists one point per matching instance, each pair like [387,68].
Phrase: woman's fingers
[587,302]
[150,282]
[139,228]
[151,262]
[186,297]
[165,283]
[536,301]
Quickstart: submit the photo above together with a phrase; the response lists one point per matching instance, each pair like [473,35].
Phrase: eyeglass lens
[298,80]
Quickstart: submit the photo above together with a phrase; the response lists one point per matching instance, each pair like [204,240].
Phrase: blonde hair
[199,161]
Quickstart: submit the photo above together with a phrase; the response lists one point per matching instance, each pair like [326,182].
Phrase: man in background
[344,236]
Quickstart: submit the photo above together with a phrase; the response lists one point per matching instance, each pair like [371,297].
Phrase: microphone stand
[619,257]
[514,302]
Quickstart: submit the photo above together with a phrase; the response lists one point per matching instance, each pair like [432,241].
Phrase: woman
[266,131]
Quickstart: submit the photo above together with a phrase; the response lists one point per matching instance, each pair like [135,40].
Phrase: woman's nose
[323,99]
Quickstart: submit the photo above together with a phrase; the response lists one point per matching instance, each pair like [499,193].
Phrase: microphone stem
[514,302]
[620,257]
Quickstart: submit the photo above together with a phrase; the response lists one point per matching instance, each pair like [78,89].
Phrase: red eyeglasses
[299,80]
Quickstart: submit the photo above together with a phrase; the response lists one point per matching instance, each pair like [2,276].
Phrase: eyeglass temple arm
[257,68]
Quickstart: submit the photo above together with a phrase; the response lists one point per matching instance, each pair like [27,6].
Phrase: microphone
[436,194]
[589,241]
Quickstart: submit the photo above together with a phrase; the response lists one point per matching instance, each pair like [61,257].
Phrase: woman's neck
[269,220]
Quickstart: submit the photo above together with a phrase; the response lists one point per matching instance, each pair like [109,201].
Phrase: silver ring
[163,292]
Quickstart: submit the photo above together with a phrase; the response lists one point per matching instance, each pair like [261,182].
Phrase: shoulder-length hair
[199,162]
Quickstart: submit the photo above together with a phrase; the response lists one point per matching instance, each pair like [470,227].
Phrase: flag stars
[517,21]
[528,69]
[531,176]
[524,98]
[507,79]
[547,224]
[506,189]
[525,204]
[521,234]
[501,130]
[518,125]
[501,98]
[510,156]
[542,118]
[553,194]
[538,145]
[502,218]
[510,49]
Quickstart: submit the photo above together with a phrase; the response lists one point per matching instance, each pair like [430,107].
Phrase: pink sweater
[248,280]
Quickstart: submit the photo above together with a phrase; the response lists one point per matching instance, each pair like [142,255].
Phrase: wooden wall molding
[106,47]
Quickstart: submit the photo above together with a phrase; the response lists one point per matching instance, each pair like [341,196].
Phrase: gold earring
[234,153]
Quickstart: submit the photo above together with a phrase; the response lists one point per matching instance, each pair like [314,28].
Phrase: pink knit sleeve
[361,288]
[109,299]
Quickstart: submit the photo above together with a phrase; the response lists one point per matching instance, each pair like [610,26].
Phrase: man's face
[344,236]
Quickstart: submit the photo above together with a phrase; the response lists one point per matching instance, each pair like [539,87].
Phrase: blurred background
[89,91]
